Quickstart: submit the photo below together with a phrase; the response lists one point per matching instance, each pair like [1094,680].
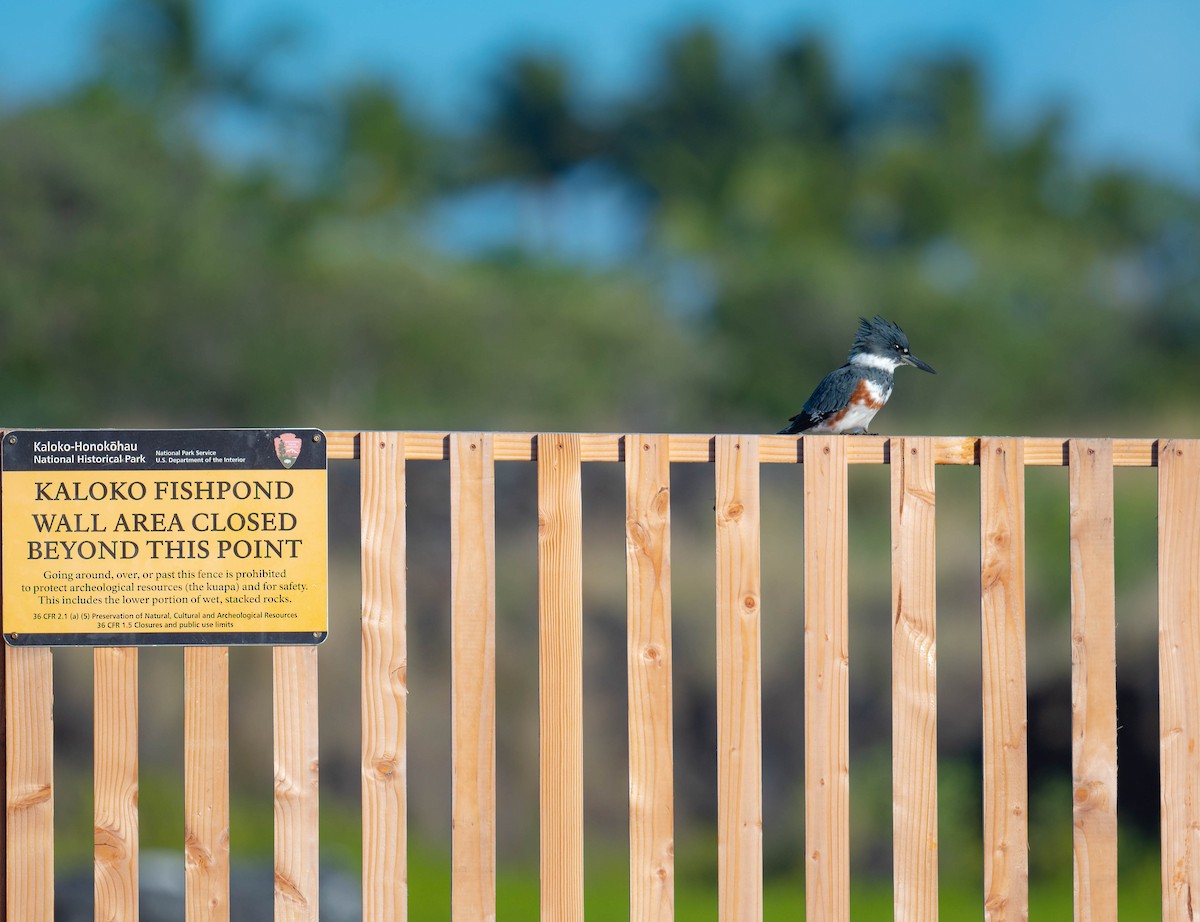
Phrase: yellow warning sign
[165,537]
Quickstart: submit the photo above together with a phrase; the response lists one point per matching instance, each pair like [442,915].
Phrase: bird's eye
[898,347]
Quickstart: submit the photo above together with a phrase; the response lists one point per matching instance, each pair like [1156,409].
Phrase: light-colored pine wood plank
[914,681]
[651,759]
[1093,681]
[1178,675]
[826,680]
[1005,770]
[384,679]
[115,780]
[206,782]
[773,449]
[739,681]
[473,668]
[342,445]
[560,674]
[296,789]
[29,776]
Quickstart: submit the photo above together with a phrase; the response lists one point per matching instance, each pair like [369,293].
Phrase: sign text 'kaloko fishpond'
[193,536]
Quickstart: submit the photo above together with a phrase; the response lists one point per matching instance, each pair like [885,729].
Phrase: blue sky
[1129,68]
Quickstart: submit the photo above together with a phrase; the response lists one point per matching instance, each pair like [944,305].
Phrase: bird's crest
[877,336]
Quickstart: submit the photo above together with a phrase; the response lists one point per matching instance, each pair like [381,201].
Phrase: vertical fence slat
[560,675]
[115,779]
[296,791]
[826,680]
[206,782]
[1178,675]
[651,760]
[29,723]
[384,679]
[1002,591]
[914,681]
[473,668]
[1093,680]
[739,680]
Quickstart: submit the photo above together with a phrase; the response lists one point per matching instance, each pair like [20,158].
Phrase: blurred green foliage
[150,276]
[145,276]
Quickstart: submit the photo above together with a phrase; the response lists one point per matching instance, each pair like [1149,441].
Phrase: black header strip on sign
[131,450]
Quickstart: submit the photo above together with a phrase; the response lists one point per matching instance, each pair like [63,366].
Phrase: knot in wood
[196,855]
[109,844]
[1089,795]
[651,653]
[734,511]
[287,888]
[662,501]
[750,603]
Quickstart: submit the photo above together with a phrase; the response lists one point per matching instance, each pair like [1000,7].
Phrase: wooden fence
[647,458]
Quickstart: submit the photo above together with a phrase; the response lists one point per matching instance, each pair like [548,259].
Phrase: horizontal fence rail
[772,449]
[471,601]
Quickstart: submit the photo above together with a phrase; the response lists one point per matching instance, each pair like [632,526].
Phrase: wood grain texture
[473,669]
[739,681]
[651,760]
[29,777]
[296,791]
[1178,675]
[826,681]
[115,782]
[1005,769]
[560,676]
[1093,681]
[773,449]
[914,682]
[4,753]
[206,782]
[384,679]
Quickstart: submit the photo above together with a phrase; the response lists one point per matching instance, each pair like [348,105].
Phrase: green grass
[606,894]
[606,885]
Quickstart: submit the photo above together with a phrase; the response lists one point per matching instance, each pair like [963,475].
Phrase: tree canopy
[147,275]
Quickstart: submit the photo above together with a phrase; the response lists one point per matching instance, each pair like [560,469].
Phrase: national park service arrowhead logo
[287,448]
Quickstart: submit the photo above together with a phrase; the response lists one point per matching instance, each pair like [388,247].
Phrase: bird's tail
[796,424]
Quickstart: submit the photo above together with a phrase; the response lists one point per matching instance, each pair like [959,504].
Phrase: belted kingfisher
[848,397]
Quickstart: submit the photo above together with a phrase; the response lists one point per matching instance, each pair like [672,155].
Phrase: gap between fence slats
[560,676]
[651,762]
[115,780]
[384,679]
[1093,681]
[473,669]
[826,681]
[739,681]
[773,449]
[29,775]
[206,782]
[1178,675]
[1005,771]
[914,682]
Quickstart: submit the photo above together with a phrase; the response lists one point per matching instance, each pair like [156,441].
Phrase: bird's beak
[917,363]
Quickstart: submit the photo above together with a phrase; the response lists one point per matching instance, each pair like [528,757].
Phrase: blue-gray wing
[831,395]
